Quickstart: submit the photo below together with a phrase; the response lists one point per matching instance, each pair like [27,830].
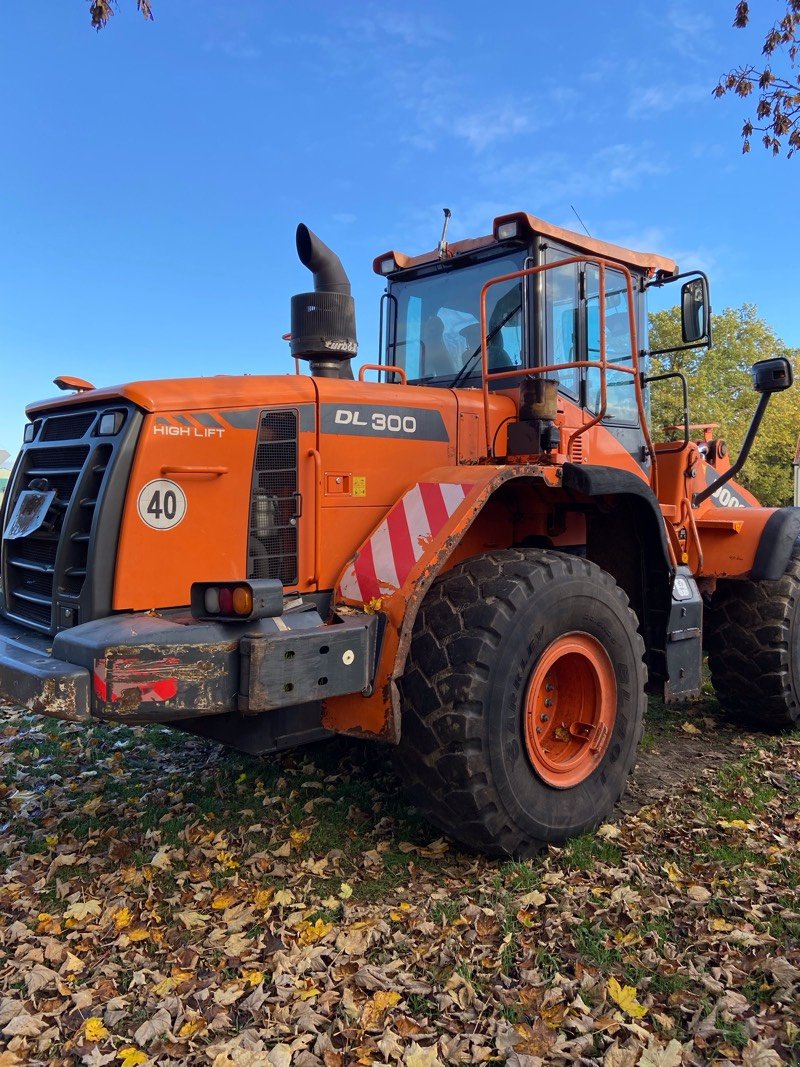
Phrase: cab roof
[530,226]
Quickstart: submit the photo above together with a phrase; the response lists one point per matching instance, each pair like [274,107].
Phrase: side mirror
[772,375]
[694,311]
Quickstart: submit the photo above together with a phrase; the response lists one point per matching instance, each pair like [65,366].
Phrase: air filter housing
[324,322]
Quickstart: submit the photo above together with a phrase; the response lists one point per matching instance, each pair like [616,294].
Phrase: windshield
[434,329]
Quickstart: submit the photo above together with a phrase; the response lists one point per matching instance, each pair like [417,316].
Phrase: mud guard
[778,538]
[394,568]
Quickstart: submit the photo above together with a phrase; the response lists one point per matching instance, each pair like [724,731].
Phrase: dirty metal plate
[29,513]
[294,667]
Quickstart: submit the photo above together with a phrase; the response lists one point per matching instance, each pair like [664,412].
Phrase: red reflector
[225,601]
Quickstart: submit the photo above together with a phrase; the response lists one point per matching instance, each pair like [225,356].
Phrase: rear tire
[754,649]
[497,637]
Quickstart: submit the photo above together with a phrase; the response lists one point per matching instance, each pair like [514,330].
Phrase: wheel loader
[472,549]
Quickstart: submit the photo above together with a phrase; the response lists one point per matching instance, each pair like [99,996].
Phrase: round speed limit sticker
[162,504]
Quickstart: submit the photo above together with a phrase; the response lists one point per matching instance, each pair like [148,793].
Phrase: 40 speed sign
[162,504]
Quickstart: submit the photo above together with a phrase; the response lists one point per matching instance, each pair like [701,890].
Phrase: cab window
[434,332]
[620,387]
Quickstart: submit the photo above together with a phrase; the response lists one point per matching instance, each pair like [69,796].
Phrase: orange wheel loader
[473,550]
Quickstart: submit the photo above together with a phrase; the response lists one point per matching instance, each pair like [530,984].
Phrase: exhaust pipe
[324,322]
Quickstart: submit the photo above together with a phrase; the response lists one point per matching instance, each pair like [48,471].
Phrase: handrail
[314,454]
[387,368]
[601,364]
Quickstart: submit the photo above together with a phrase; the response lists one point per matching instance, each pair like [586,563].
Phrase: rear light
[237,601]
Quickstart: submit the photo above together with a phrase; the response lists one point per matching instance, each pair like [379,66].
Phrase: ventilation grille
[67,427]
[275,504]
[52,561]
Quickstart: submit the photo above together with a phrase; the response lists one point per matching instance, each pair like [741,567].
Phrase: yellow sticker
[359,485]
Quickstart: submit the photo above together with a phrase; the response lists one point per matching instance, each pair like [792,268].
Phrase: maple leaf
[658,1055]
[345,891]
[83,909]
[625,996]
[419,1056]
[315,932]
[223,900]
[690,728]
[192,1027]
[131,1056]
[279,1056]
[253,978]
[376,1008]
[123,918]
[94,1029]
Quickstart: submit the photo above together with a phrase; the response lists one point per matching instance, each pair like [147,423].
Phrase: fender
[778,538]
[393,569]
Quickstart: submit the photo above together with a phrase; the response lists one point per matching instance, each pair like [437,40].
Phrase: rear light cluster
[237,601]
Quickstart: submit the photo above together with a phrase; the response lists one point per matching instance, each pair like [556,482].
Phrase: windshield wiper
[489,337]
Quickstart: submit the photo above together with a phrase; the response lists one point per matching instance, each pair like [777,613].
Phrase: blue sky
[153,174]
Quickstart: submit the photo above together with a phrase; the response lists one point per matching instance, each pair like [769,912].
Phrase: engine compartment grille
[44,573]
[274,504]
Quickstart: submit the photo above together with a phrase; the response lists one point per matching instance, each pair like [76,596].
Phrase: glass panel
[437,332]
[561,302]
[621,395]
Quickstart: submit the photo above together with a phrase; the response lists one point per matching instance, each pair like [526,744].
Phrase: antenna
[443,240]
[580,220]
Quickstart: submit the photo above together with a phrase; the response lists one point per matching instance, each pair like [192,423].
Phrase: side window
[409,341]
[620,390]
[561,316]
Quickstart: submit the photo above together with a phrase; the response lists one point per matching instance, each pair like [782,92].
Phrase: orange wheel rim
[570,710]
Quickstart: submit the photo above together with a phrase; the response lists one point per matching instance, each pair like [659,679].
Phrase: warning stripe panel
[385,560]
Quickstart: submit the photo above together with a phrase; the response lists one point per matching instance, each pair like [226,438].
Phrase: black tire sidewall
[588,604]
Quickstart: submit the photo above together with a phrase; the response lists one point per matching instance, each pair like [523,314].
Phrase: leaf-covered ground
[165,901]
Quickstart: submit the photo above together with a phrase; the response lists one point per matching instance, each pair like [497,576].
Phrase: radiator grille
[274,506]
[52,561]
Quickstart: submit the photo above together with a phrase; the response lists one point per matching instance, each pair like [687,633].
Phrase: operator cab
[431,314]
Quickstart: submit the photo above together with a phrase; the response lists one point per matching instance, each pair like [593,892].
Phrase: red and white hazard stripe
[384,561]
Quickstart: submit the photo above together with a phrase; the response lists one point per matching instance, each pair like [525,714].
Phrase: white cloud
[661,98]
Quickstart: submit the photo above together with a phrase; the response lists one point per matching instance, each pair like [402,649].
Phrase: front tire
[754,649]
[523,699]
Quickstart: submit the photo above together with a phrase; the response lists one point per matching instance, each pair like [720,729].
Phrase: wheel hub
[570,709]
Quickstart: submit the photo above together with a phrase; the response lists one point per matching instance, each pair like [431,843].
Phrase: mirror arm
[744,452]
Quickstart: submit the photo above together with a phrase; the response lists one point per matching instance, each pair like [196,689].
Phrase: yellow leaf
[163,987]
[284,896]
[223,900]
[253,978]
[225,859]
[299,837]
[51,839]
[345,891]
[625,996]
[94,1030]
[721,926]
[673,873]
[306,990]
[122,918]
[138,933]
[690,728]
[263,898]
[375,1009]
[131,1057]
[192,1027]
[734,824]
[315,932]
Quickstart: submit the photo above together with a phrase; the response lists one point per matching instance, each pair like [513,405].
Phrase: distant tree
[721,391]
[778,108]
[102,10]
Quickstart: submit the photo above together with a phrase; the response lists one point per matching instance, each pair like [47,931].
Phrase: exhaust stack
[324,322]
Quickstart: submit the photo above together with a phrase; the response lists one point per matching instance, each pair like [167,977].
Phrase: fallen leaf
[94,1029]
[625,996]
[690,728]
[83,909]
[419,1056]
